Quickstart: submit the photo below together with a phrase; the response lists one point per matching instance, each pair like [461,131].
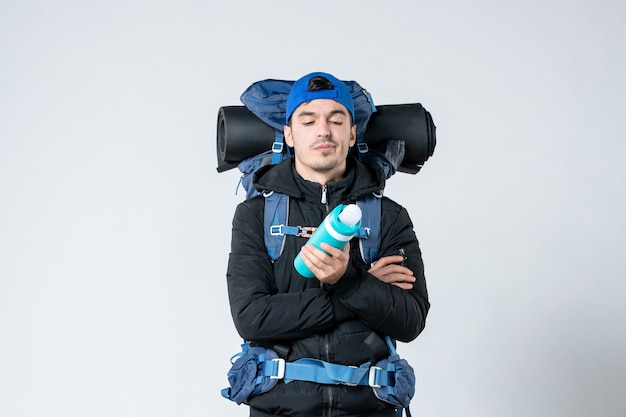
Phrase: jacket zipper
[330,400]
[325,202]
[326,353]
[329,388]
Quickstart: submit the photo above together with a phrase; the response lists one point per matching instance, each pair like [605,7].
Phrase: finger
[375,268]
[403,285]
[313,254]
[398,278]
[401,277]
[333,251]
[308,257]
[382,265]
[323,263]
[398,269]
[389,260]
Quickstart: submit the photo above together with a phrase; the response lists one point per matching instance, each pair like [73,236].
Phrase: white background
[115,225]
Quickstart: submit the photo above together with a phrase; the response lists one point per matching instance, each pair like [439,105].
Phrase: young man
[343,315]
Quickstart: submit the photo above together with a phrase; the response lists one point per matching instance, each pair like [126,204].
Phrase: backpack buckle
[276,230]
[277,147]
[372,377]
[306,231]
[280,368]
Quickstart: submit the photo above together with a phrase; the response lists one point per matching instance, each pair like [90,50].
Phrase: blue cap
[299,94]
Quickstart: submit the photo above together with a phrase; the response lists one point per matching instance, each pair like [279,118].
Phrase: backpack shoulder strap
[274,218]
[275,226]
[369,233]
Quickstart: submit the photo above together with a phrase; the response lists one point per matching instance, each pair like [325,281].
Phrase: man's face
[321,135]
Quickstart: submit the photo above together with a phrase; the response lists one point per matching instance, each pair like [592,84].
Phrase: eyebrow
[311,113]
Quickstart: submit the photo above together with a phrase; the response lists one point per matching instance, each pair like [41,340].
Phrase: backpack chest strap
[276,214]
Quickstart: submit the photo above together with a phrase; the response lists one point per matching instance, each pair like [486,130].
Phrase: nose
[323,130]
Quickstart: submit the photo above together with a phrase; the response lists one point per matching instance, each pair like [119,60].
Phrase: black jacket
[273,305]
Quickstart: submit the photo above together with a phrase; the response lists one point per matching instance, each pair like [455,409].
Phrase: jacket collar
[360,179]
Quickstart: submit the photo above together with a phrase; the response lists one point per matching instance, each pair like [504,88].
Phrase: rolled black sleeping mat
[408,122]
[241,134]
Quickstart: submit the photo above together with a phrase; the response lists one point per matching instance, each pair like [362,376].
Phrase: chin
[325,166]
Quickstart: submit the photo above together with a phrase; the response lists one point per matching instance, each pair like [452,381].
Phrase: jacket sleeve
[259,311]
[399,313]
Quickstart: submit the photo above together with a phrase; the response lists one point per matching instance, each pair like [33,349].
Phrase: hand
[388,269]
[328,265]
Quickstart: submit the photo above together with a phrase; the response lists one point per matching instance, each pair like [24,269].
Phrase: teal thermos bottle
[337,229]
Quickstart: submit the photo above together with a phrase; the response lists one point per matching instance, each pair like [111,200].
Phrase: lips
[324,147]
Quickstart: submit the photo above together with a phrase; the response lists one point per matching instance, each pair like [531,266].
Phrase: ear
[352,135]
[288,136]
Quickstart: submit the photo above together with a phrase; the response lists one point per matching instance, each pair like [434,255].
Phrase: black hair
[319,83]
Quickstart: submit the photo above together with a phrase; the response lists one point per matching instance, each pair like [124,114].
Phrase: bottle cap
[350,215]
